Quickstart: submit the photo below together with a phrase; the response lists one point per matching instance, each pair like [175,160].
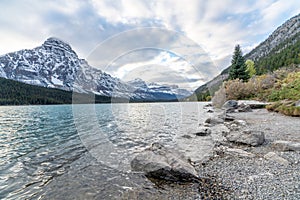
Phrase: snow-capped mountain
[55,65]
[158,90]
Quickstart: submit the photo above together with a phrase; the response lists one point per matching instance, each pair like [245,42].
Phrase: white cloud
[164,67]
[217,26]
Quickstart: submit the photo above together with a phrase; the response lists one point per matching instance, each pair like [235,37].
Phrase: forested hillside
[284,55]
[16,93]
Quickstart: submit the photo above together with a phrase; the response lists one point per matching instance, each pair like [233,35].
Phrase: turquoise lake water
[83,151]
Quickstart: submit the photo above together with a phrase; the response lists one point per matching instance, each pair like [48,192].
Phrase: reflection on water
[40,144]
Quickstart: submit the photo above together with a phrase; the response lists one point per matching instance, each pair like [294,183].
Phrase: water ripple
[39,144]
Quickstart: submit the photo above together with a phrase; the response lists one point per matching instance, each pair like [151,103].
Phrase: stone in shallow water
[228,118]
[162,163]
[214,121]
[187,136]
[203,131]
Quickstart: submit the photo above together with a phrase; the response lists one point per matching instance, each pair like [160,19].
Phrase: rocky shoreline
[270,170]
[250,154]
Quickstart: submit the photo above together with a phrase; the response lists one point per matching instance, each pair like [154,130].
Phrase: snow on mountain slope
[167,91]
[55,65]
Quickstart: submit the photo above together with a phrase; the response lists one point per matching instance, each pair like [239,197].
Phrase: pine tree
[238,67]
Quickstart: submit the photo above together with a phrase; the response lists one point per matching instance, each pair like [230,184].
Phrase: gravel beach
[258,177]
[237,171]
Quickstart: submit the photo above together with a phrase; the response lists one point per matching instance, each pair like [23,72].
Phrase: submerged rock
[252,138]
[160,162]
[187,136]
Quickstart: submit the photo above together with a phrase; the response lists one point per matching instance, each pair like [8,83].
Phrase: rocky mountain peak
[55,64]
[287,30]
[56,43]
[137,82]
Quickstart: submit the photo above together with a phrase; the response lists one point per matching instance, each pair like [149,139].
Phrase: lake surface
[84,151]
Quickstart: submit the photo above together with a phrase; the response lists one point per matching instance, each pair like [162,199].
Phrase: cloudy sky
[211,28]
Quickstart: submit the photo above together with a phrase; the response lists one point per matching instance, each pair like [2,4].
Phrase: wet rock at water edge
[225,117]
[162,163]
[208,105]
[203,131]
[248,137]
[214,121]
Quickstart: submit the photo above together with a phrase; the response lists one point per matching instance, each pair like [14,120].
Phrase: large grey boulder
[282,145]
[248,137]
[244,108]
[230,104]
[297,103]
[162,163]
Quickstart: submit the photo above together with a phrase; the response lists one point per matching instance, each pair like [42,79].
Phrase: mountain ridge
[55,64]
[288,30]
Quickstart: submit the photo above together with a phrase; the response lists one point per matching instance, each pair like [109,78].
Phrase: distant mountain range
[280,49]
[55,64]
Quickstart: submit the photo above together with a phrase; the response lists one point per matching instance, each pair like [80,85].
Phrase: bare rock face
[252,138]
[162,163]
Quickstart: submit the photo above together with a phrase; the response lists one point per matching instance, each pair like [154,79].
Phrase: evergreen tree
[238,67]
